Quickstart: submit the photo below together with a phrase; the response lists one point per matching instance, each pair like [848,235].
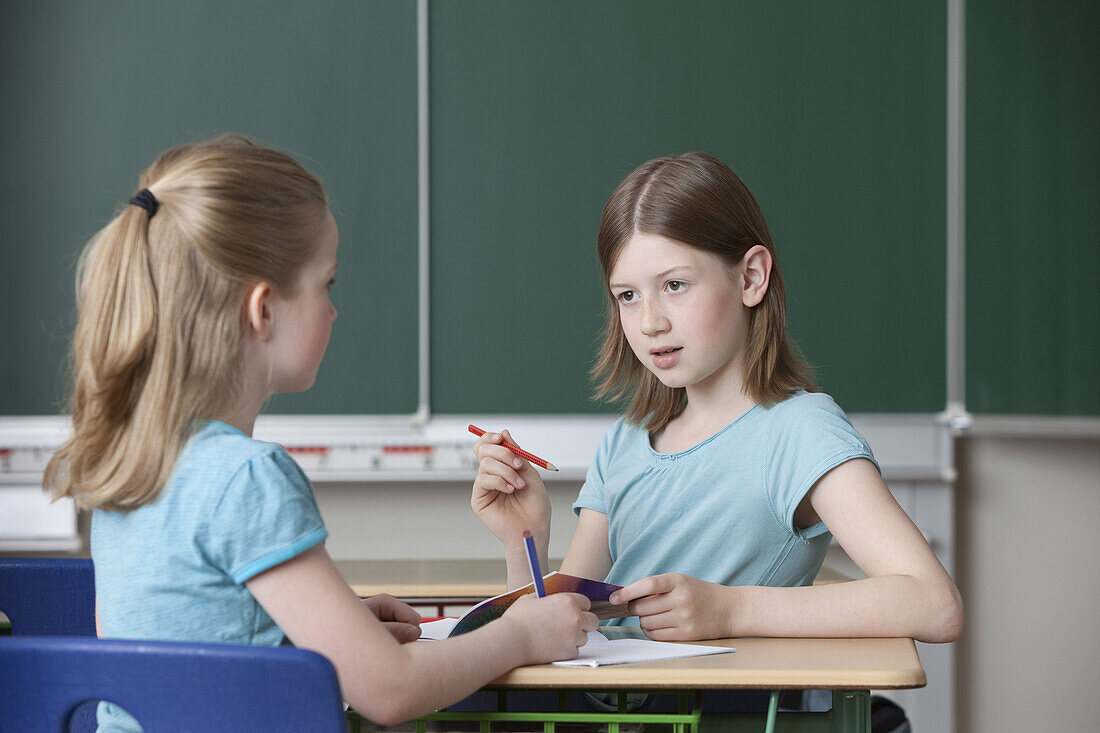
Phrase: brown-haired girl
[204,296]
[713,499]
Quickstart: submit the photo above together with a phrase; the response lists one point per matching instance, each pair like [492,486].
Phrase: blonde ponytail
[159,334]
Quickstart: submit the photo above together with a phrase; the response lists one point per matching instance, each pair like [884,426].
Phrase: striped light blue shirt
[174,569]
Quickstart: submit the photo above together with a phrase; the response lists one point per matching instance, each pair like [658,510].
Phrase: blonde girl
[713,499]
[207,294]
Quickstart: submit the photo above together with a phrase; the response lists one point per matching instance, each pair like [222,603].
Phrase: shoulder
[621,434]
[620,429]
[620,443]
[812,422]
[219,453]
[805,408]
[810,416]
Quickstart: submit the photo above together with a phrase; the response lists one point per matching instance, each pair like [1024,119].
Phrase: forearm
[444,672]
[888,605]
[386,681]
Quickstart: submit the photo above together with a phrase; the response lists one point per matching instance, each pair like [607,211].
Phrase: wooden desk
[428,581]
[758,664]
[451,582]
[848,667]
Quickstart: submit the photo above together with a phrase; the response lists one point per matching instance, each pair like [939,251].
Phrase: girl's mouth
[664,358]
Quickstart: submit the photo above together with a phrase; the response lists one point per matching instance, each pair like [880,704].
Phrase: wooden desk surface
[834,664]
[878,664]
[447,579]
[427,578]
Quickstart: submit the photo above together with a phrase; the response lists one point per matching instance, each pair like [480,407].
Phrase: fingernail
[614,597]
[520,482]
[517,462]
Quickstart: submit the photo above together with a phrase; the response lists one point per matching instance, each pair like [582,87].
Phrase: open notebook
[600,650]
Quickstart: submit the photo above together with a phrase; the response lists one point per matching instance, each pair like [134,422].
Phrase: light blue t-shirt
[722,510]
[174,569]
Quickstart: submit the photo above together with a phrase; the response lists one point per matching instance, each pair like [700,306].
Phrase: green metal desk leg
[773,708]
[851,711]
[621,707]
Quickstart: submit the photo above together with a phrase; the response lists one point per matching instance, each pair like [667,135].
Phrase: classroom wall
[423,520]
[1027,513]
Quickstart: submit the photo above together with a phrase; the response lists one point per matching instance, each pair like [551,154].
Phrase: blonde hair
[696,200]
[159,332]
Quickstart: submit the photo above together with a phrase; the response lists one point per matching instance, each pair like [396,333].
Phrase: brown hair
[696,200]
[159,332]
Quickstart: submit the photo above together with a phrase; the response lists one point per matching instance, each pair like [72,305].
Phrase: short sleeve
[809,435]
[591,495]
[266,516]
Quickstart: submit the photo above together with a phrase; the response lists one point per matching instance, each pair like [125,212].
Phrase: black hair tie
[145,199]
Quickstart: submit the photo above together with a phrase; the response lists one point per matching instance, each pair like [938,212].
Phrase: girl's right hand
[553,627]
[509,495]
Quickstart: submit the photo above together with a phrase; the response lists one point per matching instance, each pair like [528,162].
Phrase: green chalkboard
[1033,207]
[832,112]
[92,92]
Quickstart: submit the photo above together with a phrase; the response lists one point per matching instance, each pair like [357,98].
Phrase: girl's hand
[554,626]
[677,607]
[509,495]
[399,618]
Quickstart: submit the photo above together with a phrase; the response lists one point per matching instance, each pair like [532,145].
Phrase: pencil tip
[550,466]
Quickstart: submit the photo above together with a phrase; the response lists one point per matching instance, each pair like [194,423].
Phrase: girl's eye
[627,296]
[675,286]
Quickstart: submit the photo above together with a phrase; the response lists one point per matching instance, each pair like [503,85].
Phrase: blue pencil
[533,559]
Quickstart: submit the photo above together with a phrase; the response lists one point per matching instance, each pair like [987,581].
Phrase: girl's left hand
[399,618]
[678,607]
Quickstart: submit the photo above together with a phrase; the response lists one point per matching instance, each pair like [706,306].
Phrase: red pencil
[518,451]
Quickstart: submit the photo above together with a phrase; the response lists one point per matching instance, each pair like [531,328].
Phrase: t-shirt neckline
[659,456]
[225,427]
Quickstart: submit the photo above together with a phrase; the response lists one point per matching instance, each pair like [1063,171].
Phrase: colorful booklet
[493,608]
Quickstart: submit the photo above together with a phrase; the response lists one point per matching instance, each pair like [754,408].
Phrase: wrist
[743,606]
[516,547]
[516,640]
[518,567]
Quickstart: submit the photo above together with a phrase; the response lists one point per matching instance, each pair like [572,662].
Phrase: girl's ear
[756,271]
[257,311]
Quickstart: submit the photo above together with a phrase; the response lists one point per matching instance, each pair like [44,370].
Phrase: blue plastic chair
[168,685]
[48,596]
[51,597]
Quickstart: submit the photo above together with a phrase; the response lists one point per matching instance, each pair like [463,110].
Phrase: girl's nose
[653,321]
